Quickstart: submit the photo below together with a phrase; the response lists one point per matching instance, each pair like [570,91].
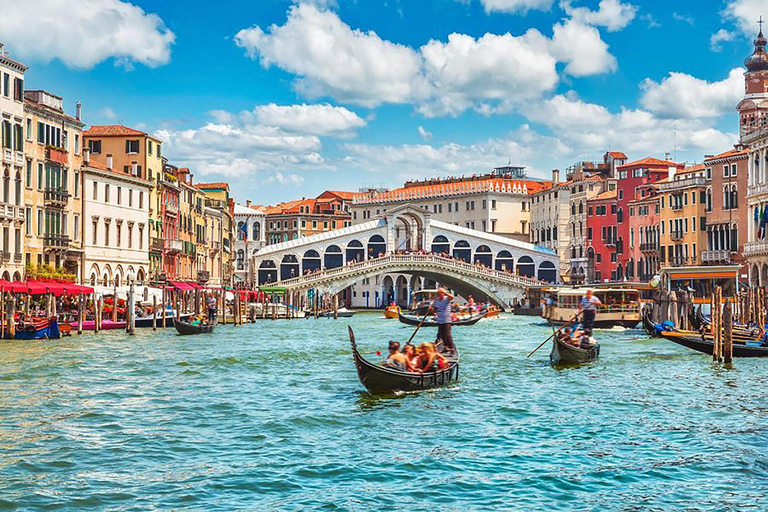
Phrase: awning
[195,286]
[14,287]
[181,286]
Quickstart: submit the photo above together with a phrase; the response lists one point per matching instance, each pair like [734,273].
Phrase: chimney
[248,203]
[671,172]
[666,156]
[555,177]
[86,156]
[78,110]
[109,161]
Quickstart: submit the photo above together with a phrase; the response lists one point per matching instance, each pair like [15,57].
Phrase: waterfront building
[726,175]
[139,154]
[249,237]
[683,204]
[187,258]
[170,198]
[305,217]
[13,167]
[115,224]
[550,214]
[643,247]
[218,232]
[52,196]
[498,202]
[602,234]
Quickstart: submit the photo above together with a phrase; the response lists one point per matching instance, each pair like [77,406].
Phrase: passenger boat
[492,311]
[421,301]
[621,306]
[379,379]
[146,321]
[341,312]
[106,325]
[563,353]
[37,329]
[392,311]
[416,320]
[702,343]
[187,328]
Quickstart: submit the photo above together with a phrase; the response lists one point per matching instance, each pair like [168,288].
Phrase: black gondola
[563,353]
[414,320]
[146,322]
[187,328]
[705,346]
[379,379]
[648,324]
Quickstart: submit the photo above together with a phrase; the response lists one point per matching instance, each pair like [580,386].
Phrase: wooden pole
[80,314]
[165,314]
[12,317]
[728,337]
[336,306]
[132,310]
[2,313]
[97,315]
[224,307]
[154,312]
[178,305]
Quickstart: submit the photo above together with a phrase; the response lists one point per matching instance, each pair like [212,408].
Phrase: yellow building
[682,217]
[53,196]
[219,232]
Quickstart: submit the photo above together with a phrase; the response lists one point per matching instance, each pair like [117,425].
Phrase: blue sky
[285,99]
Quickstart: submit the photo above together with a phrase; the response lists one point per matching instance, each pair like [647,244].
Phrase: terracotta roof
[650,161]
[608,194]
[728,154]
[341,193]
[217,185]
[680,172]
[618,154]
[457,188]
[112,130]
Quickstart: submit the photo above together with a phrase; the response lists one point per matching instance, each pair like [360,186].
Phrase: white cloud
[490,73]
[718,37]
[684,96]
[745,14]
[683,18]
[321,120]
[83,33]
[581,47]
[285,179]
[515,6]
[108,113]
[424,134]
[611,14]
[650,20]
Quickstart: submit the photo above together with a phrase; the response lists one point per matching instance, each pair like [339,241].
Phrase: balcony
[8,155]
[756,248]
[716,257]
[226,245]
[203,276]
[649,247]
[55,242]
[172,246]
[609,241]
[678,261]
[54,198]
[676,235]
[58,155]
[676,207]
[156,245]
[755,190]
[215,247]
[17,257]
[173,209]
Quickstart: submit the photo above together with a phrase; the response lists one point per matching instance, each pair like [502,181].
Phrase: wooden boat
[392,311]
[341,312]
[90,325]
[379,379]
[416,320]
[492,311]
[702,344]
[649,325]
[563,353]
[187,328]
[37,329]
[621,306]
[146,322]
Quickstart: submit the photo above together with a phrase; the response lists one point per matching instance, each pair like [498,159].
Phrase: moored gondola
[704,344]
[187,328]
[648,324]
[379,379]
[563,353]
[415,320]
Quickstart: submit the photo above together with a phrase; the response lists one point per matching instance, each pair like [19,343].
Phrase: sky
[284,99]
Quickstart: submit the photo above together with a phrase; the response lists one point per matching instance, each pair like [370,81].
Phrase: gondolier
[442,308]
[588,306]
[211,305]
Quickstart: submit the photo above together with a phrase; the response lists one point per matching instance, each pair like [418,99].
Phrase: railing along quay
[425,259]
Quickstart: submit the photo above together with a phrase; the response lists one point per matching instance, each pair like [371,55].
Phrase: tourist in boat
[442,309]
[471,306]
[588,306]
[430,360]
[411,358]
[396,359]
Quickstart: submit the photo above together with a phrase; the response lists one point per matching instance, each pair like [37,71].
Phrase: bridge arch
[547,272]
[376,245]
[413,221]
[289,267]
[355,251]
[484,255]
[333,257]
[462,251]
[401,291]
[440,245]
[310,261]
[526,267]
[505,261]
[267,272]
[388,289]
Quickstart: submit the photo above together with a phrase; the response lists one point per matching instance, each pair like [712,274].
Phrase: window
[95,146]
[733,170]
[106,193]
[130,236]
[708,173]
[141,236]
[132,146]
[118,232]
[149,147]
[39,222]
[693,197]
[726,169]
[28,223]
[693,223]
[18,89]
[6,85]
[95,231]
[76,226]
[119,195]
[141,200]
[130,197]
[29,174]
[106,233]
[493,204]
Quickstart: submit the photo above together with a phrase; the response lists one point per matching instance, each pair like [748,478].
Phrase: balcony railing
[55,198]
[55,241]
[157,244]
[203,276]
[676,235]
[17,257]
[677,207]
[172,209]
[173,246]
[678,261]
[716,256]
[649,247]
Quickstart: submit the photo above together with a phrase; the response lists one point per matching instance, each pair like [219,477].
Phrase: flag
[757,213]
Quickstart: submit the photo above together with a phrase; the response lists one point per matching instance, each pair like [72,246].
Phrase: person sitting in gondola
[565,336]
[411,358]
[430,360]
[396,359]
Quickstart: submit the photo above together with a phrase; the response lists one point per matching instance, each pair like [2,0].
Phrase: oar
[554,333]
[418,326]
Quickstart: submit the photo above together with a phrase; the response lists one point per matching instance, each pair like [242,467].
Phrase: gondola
[648,324]
[187,328]
[702,344]
[146,322]
[563,353]
[37,329]
[415,320]
[379,379]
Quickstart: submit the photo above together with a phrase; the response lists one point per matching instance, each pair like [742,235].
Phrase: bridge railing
[412,258]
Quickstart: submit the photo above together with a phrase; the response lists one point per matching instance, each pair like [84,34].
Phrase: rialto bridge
[376,256]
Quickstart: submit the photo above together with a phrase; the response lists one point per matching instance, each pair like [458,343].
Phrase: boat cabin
[621,306]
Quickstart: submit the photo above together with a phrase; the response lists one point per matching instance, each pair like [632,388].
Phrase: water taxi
[621,306]
[392,311]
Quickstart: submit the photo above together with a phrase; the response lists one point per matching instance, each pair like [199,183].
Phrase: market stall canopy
[181,286]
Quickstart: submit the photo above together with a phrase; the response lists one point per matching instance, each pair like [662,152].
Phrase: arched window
[256,230]
[709,199]
[17,201]
[240,259]
[241,230]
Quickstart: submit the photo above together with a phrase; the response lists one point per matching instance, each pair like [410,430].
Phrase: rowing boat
[563,353]
[415,320]
[704,344]
[187,328]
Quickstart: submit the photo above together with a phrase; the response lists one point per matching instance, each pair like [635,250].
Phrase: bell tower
[753,109]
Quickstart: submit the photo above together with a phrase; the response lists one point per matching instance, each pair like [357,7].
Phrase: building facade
[682,216]
[249,238]
[305,217]
[644,238]
[584,186]
[550,213]
[602,235]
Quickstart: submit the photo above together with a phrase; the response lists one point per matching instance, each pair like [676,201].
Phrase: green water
[272,416]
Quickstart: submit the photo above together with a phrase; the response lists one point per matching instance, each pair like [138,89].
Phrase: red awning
[14,287]
[37,288]
[74,289]
[195,286]
[181,286]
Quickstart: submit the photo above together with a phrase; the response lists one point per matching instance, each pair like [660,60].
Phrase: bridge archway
[388,290]
[755,281]
[505,261]
[310,261]
[462,251]
[484,255]
[289,267]
[355,251]
[401,291]
[440,245]
[267,272]
[376,246]
[526,267]
[413,221]
[547,271]
[333,257]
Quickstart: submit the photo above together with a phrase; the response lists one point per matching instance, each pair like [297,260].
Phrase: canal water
[272,416]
